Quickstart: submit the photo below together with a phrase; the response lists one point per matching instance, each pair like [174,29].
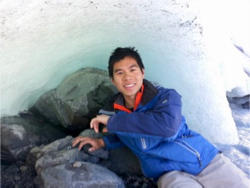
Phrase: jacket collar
[145,94]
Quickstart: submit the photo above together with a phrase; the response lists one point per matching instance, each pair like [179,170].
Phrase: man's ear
[143,73]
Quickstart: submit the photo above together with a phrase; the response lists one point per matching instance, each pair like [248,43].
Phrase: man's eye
[119,73]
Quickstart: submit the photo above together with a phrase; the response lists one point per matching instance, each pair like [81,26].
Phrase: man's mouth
[128,86]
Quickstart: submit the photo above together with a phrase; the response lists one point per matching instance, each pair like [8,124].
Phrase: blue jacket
[157,133]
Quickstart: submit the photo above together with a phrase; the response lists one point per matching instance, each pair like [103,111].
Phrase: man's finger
[91,123]
[77,140]
[96,128]
[84,142]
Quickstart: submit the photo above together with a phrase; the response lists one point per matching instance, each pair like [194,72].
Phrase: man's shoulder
[159,90]
[108,108]
[153,86]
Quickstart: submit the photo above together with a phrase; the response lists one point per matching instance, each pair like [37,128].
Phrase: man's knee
[176,179]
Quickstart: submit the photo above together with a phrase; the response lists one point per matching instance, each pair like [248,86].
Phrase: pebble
[77,164]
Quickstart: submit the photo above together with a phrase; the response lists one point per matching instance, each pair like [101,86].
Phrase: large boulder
[59,159]
[61,153]
[19,135]
[77,99]
[79,174]
[120,161]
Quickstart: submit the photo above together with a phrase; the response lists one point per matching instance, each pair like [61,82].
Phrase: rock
[91,133]
[58,145]
[137,181]
[19,135]
[60,152]
[17,175]
[87,175]
[78,98]
[121,161]
[62,157]
[77,164]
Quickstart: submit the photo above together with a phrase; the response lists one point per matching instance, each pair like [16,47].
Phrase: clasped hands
[95,143]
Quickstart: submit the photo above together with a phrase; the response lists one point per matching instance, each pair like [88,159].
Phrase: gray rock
[58,145]
[91,133]
[66,144]
[17,175]
[55,158]
[47,106]
[38,152]
[84,174]
[78,97]
[19,135]
[61,152]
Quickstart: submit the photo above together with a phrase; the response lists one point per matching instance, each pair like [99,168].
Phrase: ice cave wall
[184,45]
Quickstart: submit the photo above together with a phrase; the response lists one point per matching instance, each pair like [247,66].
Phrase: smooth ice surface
[182,44]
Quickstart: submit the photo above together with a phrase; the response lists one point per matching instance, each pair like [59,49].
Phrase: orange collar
[121,106]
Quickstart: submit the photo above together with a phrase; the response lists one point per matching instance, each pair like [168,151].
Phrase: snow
[239,153]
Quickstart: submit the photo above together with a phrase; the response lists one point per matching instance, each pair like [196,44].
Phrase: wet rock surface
[83,174]
[20,134]
[17,175]
[58,164]
[78,98]
[122,162]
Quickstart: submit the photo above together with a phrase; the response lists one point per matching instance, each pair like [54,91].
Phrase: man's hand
[95,143]
[94,124]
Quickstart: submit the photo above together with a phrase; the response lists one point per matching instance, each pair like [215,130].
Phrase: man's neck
[129,102]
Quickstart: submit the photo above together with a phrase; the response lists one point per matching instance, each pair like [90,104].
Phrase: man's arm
[95,122]
[163,120]
[111,141]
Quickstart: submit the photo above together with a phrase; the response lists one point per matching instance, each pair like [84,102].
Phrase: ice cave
[199,48]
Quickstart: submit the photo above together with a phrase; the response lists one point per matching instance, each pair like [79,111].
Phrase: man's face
[127,77]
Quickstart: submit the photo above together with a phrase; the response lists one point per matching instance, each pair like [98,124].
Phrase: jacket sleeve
[112,142]
[162,120]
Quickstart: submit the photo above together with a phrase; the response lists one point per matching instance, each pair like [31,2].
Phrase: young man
[147,119]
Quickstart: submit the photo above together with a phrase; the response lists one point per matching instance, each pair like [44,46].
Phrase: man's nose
[127,76]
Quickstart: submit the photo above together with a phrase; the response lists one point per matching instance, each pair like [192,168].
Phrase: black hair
[119,54]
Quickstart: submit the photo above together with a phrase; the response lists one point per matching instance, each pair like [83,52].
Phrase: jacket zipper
[189,148]
[143,143]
